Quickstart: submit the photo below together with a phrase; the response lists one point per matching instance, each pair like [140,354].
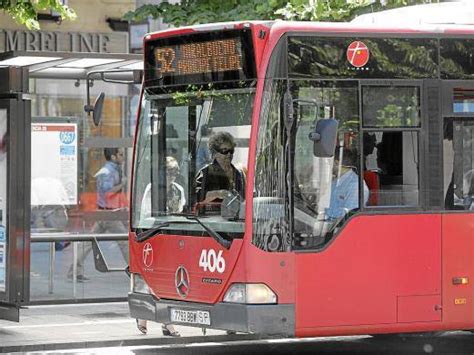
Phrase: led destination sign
[200,58]
[196,58]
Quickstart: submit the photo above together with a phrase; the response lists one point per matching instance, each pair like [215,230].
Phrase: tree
[25,12]
[191,12]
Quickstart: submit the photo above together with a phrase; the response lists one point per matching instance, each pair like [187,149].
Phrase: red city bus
[305,179]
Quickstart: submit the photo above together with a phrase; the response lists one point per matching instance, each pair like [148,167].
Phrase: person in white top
[176,198]
[175,202]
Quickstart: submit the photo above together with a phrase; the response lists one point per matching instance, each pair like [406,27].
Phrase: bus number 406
[209,260]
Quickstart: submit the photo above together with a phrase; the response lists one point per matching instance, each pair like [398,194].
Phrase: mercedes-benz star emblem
[147,254]
[181,281]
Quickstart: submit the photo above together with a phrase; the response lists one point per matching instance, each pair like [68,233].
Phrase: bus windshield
[191,160]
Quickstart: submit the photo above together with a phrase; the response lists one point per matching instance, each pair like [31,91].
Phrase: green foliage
[191,12]
[394,116]
[25,12]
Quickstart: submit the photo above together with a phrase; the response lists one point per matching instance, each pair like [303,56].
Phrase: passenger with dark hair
[345,188]
[216,179]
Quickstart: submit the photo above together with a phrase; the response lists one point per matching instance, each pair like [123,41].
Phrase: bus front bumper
[273,319]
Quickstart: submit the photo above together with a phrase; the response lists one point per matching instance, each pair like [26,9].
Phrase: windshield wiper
[149,233]
[224,242]
[145,235]
[214,234]
[141,237]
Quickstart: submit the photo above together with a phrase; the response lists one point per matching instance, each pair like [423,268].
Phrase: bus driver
[220,176]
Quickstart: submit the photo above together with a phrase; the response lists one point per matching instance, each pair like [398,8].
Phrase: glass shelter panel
[3,197]
[80,189]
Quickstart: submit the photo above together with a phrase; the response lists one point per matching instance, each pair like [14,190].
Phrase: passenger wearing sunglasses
[215,180]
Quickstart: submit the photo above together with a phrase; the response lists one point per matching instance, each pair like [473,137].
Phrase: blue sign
[67,137]
[67,150]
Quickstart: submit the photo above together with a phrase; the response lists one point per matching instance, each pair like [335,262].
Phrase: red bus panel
[458,262]
[377,270]
[170,252]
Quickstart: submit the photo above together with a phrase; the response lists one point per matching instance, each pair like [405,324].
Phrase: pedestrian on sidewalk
[111,185]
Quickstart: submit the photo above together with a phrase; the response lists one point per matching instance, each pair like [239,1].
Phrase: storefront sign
[46,41]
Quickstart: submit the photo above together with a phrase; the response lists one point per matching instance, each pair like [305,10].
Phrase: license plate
[191,317]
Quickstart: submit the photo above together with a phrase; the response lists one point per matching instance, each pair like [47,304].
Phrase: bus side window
[458,164]
[391,170]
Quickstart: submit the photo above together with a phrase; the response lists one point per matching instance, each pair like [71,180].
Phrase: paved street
[107,328]
[453,343]
[85,326]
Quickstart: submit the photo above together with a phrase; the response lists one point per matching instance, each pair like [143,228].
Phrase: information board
[196,58]
[54,159]
[203,57]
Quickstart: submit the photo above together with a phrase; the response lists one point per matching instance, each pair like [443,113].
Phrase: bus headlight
[250,294]
[138,284]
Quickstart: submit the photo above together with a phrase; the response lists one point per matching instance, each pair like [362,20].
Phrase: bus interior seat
[372,180]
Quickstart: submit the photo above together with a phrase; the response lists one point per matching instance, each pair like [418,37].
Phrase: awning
[71,65]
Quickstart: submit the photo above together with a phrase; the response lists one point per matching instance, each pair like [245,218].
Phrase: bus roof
[454,12]
[216,26]
[349,27]
[279,27]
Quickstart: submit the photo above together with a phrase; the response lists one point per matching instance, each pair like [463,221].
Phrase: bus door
[14,192]
[458,194]
[372,268]
[458,145]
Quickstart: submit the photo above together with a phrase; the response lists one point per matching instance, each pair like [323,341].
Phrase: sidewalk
[55,327]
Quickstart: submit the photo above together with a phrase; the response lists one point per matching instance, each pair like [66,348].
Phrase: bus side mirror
[98,106]
[324,137]
[96,109]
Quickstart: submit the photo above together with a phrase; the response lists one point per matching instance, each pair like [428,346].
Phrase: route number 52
[211,261]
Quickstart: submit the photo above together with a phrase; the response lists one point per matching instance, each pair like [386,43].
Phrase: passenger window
[463,100]
[391,168]
[458,159]
[390,157]
[325,189]
[391,106]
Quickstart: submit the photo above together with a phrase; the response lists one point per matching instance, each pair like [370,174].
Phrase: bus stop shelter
[23,105]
